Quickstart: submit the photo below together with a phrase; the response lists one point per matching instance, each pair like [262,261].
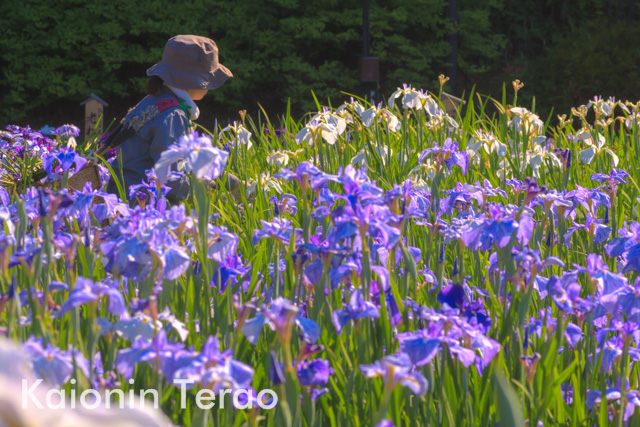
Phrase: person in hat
[189,68]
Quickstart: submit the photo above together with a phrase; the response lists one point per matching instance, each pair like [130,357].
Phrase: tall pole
[365,28]
[369,71]
[452,14]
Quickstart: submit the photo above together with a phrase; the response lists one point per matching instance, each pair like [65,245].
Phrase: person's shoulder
[157,109]
[167,104]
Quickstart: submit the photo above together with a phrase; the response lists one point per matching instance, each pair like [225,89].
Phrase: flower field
[385,265]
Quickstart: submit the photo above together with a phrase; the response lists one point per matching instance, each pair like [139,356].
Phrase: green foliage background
[56,52]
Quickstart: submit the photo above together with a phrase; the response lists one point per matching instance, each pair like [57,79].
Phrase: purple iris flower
[516,184]
[172,257]
[53,365]
[281,315]
[5,199]
[569,299]
[594,228]
[607,282]
[314,372]
[280,229]
[174,323]
[388,235]
[146,190]
[222,371]
[530,363]
[326,197]
[86,291]
[271,267]
[313,272]
[140,325]
[222,243]
[474,313]
[629,300]
[66,158]
[633,401]
[465,355]
[488,349]
[202,159]
[47,130]
[469,232]
[626,330]
[181,364]
[108,208]
[23,296]
[480,234]
[589,198]
[629,237]
[552,200]
[482,192]
[448,154]
[344,272]
[458,199]
[530,258]
[633,260]
[565,156]
[419,206]
[129,256]
[276,374]
[356,183]
[341,230]
[229,271]
[595,396]
[421,346]
[67,130]
[395,194]
[532,190]
[566,291]
[66,243]
[502,227]
[454,201]
[573,334]
[287,203]
[357,308]
[26,255]
[396,370]
[611,350]
[380,288]
[304,171]
[156,351]
[615,177]
[416,254]
[453,295]
[279,132]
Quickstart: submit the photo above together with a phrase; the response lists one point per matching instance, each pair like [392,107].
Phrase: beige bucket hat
[191,62]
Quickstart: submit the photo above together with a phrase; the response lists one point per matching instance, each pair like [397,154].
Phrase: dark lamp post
[368,67]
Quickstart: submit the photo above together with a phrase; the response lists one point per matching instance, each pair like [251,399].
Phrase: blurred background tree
[56,52]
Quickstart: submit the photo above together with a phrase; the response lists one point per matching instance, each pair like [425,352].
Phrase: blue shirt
[141,151]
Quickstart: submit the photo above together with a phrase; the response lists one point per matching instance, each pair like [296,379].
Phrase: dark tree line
[54,53]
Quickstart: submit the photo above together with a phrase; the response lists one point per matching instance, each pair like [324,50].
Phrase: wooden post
[451,103]
[93,111]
